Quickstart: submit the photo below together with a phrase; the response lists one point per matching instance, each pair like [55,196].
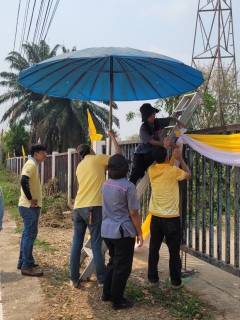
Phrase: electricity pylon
[213,47]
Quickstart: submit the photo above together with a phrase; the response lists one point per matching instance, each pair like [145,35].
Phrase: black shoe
[124,304]
[105,297]
[35,265]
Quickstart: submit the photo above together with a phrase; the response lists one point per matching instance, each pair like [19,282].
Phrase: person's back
[164,207]
[88,209]
[165,189]
[90,175]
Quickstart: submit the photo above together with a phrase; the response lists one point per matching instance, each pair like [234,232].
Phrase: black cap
[147,110]
[117,161]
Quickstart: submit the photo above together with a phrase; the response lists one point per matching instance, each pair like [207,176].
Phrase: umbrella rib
[169,72]
[144,77]
[82,76]
[40,70]
[97,78]
[119,61]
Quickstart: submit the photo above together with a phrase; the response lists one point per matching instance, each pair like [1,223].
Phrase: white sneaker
[74,284]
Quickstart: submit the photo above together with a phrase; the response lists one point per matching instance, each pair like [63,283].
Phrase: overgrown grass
[182,304]
[11,188]
[44,245]
[64,273]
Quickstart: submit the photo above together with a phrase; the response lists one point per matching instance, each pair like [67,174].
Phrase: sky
[162,26]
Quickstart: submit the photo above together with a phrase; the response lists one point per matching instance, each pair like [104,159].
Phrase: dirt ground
[64,302]
[61,302]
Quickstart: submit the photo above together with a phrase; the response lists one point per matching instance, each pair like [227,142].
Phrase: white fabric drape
[225,157]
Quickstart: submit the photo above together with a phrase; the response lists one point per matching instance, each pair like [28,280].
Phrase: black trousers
[119,267]
[171,229]
[141,162]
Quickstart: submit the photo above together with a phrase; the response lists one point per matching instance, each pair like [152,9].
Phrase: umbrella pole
[111,100]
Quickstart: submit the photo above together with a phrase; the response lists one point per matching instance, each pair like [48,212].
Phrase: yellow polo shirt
[164,201]
[91,176]
[30,169]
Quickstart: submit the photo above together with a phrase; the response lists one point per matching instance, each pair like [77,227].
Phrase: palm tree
[61,123]
[65,123]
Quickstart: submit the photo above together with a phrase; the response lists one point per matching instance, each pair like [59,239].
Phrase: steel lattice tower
[214,46]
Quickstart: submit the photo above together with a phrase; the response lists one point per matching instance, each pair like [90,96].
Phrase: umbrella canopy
[106,74]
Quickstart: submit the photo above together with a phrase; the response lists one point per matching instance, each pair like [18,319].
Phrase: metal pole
[111,100]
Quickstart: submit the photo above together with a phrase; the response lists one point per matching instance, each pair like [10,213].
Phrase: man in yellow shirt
[29,207]
[88,209]
[164,207]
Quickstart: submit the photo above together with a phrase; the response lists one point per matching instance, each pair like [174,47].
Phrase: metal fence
[209,202]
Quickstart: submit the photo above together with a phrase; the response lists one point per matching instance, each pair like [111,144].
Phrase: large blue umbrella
[111,74]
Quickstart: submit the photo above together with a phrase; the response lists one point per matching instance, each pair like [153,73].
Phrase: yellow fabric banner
[94,136]
[23,153]
[227,142]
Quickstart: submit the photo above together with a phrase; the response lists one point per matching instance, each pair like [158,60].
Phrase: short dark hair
[83,150]
[36,148]
[159,154]
[114,173]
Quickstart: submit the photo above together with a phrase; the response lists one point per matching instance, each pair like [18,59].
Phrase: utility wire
[37,23]
[24,26]
[19,5]
[31,19]
[54,11]
[45,19]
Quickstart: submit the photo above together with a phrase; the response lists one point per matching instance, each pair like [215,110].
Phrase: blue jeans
[81,221]
[30,218]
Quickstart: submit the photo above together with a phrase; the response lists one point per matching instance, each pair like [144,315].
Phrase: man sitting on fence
[88,209]
[164,207]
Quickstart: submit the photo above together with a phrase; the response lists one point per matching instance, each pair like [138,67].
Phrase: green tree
[15,138]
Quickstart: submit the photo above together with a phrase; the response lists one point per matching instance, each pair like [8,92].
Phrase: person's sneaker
[124,304]
[100,284]
[35,265]
[31,272]
[176,287]
[105,297]
[74,284]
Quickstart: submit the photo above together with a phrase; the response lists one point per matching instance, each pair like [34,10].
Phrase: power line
[19,5]
[31,19]
[45,18]
[39,26]
[24,26]
[54,11]
[37,23]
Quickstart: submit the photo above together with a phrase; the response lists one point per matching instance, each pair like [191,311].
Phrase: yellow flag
[23,153]
[94,136]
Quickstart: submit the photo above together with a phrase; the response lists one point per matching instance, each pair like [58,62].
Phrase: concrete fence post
[70,150]
[42,173]
[54,164]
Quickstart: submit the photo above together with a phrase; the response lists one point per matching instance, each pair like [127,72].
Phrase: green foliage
[19,229]
[182,304]
[56,201]
[64,273]
[10,186]
[44,245]
[15,138]
[134,137]
[168,104]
